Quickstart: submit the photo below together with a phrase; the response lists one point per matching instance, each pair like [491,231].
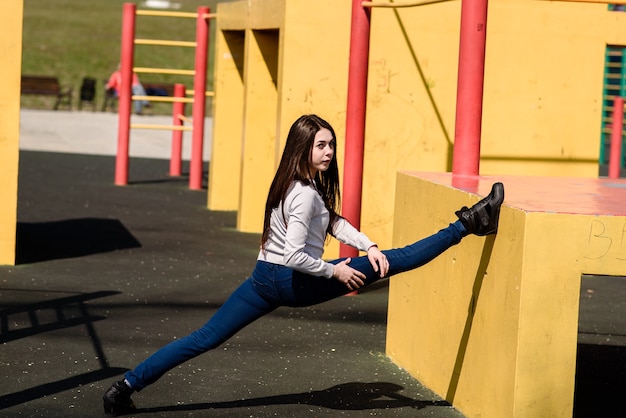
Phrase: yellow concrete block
[267,14]
[233,15]
[491,325]
[11,13]
[270,70]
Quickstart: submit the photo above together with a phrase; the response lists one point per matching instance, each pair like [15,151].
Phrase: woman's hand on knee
[378,260]
[351,278]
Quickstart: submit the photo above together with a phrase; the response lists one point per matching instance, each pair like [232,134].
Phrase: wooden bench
[46,86]
[152,89]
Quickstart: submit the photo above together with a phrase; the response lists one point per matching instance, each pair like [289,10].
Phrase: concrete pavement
[87,132]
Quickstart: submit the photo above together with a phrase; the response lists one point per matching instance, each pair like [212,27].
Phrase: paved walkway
[95,133]
[108,274]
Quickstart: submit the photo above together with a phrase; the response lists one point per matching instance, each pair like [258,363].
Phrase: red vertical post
[615,155]
[124,100]
[469,101]
[199,99]
[355,119]
[178,110]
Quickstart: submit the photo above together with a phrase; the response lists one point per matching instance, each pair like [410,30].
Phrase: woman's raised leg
[480,219]
[309,290]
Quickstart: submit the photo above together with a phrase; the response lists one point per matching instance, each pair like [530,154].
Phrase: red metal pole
[199,99]
[124,101]
[469,102]
[355,119]
[616,138]
[178,110]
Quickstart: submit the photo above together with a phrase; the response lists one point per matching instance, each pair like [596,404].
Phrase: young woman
[300,212]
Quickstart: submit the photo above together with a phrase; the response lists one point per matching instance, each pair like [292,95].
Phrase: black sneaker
[117,400]
[482,218]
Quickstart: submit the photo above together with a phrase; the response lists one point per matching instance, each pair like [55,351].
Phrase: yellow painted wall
[543,90]
[542,95]
[491,325]
[542,103]
[294,62]
[313,76]
[11,12]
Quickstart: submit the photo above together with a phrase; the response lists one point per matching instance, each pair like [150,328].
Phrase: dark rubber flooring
[106,275]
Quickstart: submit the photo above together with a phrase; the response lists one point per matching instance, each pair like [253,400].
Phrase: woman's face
[322,152]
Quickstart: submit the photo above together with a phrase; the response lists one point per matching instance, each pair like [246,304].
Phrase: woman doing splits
[301,211]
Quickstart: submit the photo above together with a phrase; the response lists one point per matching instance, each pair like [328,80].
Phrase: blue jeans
[272,286]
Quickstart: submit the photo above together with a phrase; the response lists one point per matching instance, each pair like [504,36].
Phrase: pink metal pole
[615,155]
[469,101]
[124,101]
[199,101]
[178,110]
[355,119]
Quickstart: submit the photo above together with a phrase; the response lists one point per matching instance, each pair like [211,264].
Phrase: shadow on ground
[346,397]
[43,241]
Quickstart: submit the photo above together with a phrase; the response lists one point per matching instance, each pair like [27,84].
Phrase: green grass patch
[72,39]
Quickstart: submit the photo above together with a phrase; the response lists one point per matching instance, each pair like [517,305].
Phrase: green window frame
[614,86]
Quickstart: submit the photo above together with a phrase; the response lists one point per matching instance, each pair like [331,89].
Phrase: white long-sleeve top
[296,240]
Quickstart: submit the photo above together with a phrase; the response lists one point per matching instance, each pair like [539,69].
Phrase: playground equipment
[541,101]
[265,79]
[355,119]
[515,352]
[199,92]
[492,325]
[471,66]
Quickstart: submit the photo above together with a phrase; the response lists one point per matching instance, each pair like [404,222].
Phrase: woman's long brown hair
[294,165]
